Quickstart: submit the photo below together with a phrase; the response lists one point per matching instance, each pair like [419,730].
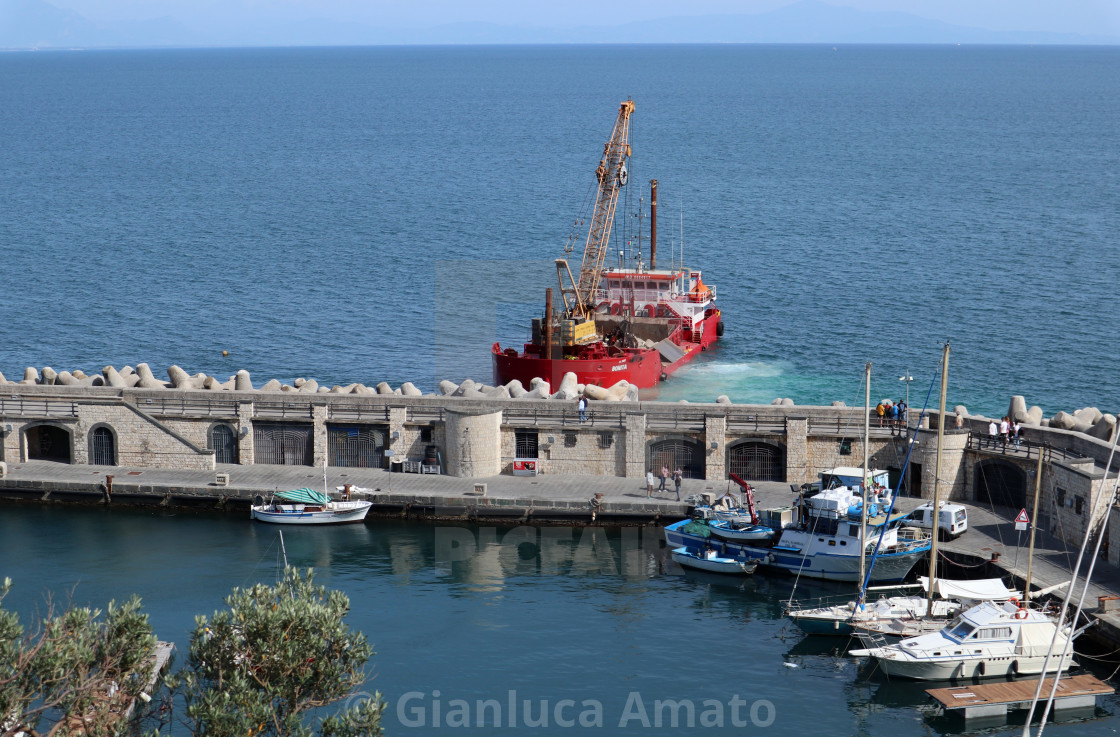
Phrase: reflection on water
[551,613]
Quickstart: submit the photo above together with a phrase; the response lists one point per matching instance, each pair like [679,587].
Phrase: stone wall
[171,431]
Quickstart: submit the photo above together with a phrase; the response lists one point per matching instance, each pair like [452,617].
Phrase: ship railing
[184,407]
[797,606]
[17,406]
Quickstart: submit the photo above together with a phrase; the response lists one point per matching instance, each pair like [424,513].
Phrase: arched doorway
[102,447]
[223,441]
[48,443]
[757,461]
[1000,484]
[283,443]
[674,453]
[356,446]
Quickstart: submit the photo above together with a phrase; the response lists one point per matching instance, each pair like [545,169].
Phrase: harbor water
[586,621]
[388,213]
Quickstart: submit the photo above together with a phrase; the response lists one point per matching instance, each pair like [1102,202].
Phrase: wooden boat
[309,507]
[729,530]
[706,559]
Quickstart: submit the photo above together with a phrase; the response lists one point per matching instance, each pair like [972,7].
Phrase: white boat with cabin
[987,641]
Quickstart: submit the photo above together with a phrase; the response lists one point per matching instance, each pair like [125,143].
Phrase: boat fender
[1021,613]
[664,376]
[980,668]
[1015,667]
[719,330]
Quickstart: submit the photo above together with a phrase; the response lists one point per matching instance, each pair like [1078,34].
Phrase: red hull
[641,367]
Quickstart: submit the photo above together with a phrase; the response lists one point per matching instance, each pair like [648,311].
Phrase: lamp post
[908,378]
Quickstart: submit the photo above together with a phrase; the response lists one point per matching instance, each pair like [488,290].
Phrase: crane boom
[612,175]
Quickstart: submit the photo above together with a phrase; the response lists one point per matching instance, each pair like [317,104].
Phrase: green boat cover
[303,496]
[697,527]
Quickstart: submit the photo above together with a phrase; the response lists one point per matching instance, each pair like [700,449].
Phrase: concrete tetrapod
[30,376]
[50,376]
[112,377]
[147,379]
[242,381]
[180,379]
[409,389]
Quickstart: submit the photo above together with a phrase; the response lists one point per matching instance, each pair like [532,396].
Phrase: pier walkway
[545,498]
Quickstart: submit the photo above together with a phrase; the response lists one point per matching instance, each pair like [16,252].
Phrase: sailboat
[309,507]
[985,641]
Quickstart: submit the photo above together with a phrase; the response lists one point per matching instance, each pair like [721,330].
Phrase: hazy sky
[1066,16]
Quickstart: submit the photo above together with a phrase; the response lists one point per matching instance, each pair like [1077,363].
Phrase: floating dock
[997,699]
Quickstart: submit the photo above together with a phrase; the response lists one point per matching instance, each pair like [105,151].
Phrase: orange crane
[612,173]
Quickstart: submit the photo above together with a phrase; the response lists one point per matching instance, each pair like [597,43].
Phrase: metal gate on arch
[677,453]
[283,443]
[356,446]
[757,461]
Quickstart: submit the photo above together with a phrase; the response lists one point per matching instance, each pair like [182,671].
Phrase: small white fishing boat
[987,641]
[309,507]
[706,559]
[741,531]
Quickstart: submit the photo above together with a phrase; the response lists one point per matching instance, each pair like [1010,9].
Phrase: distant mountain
[39,24]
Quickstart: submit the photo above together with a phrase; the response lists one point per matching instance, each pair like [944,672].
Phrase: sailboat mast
[937,481]
[866,463]
[1034,522]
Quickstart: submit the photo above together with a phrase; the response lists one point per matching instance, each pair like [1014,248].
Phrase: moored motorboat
[309,507]
[706,559]
[987,641]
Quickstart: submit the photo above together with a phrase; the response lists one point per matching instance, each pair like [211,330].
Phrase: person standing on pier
[993,433]
[649,483]
[677,481]
[664,477]
[582,408]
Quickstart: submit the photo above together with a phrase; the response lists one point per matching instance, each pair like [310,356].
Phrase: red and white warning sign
[1022,521]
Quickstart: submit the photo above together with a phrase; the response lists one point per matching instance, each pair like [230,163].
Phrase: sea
[387,214]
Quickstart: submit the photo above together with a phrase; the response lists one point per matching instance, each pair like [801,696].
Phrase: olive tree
[271,664]
[74,671]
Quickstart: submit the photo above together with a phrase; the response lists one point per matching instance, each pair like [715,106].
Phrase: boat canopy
[985,589]
[304,496]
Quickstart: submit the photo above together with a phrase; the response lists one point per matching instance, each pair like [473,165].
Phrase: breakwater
[128,418]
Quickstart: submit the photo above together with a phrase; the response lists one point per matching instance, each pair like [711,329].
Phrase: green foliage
[75,670]
[278,652]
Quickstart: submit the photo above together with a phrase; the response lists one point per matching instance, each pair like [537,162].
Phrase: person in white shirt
[649,483]
[993,433]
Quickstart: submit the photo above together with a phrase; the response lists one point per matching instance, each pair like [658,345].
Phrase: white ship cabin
[678,293]
[852,477]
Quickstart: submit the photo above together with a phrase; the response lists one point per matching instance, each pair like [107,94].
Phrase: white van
[952,522]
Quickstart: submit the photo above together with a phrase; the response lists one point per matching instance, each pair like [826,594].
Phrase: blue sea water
[370,214]
[546,614]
